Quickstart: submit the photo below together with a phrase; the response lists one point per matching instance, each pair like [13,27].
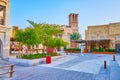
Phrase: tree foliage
[56,42]
[46,33]
[19,36]
[27,36]
[75,36]
[40,33]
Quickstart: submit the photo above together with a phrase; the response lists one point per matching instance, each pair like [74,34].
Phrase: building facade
[71,28]
[5,30]
[108,35]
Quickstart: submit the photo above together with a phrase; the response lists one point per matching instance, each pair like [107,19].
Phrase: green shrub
[97,50]
[72,49]
[69,49]
[35,56]
[109,50]
[76,49]
[103,50]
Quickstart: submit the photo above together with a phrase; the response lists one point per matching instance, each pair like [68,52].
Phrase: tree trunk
[43,49]
[19,48]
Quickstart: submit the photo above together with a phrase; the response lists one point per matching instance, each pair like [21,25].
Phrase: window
[93,37]
[68,35]
[117,37]
[2,16]
[102,37]
[60,35]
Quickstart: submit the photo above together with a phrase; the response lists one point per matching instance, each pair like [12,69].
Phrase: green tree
[30,37]
[56,43]
[40,33]
[19,36]
[27,37]
[46,34]
[75,36]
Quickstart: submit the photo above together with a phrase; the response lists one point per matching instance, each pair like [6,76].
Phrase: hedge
[103,50]
[73,49]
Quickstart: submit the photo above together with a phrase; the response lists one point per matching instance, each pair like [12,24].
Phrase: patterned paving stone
[44,73]
[50,72]
[114,70]
[77,60]
[104,74]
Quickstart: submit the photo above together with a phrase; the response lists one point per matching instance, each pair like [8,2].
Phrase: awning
[87,41]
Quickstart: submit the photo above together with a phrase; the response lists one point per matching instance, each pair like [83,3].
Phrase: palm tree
[75,36]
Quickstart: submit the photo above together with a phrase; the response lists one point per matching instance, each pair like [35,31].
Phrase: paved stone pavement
[71,67]
[43,73]
[89,63]
[114,71]
[104,74]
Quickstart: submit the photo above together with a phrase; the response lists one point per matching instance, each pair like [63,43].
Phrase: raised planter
[76,52]
[72,52]
[33,62]
[85,50]
[68,51]
[104,52]
[26,62]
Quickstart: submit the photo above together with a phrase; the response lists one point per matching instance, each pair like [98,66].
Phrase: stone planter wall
[33,62]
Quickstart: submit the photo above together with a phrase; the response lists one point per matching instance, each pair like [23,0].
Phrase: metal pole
[113,57]
[105,64]
[11,70]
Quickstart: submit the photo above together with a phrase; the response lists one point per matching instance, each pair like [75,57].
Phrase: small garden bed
[36,56]
[103,51]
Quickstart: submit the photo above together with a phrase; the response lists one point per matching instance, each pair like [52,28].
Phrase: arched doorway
[1,49]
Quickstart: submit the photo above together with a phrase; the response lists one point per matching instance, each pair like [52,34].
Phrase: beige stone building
[105,36]
[4,28]
[69,29]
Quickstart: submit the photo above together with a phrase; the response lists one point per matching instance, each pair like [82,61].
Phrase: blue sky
[91,12]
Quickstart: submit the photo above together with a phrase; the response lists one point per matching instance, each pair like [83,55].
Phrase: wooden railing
[7,69]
